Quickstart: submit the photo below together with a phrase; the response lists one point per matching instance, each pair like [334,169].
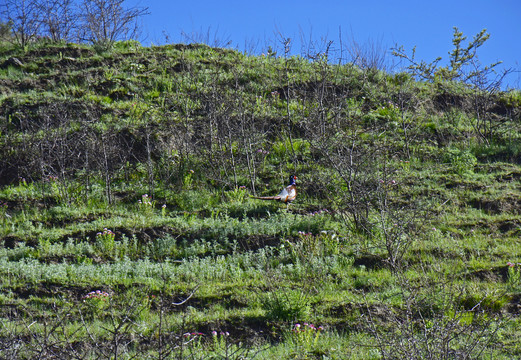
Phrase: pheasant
[287,195]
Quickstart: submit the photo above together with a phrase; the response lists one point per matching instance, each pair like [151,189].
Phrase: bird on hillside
[287,195]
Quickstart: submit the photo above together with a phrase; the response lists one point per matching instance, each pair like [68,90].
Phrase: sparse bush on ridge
[99,22]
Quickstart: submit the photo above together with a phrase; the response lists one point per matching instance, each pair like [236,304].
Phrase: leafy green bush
[106,241]
[461,161]
[494,152]
[286,305]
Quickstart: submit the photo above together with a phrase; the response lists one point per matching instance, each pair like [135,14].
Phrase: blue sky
[428,25]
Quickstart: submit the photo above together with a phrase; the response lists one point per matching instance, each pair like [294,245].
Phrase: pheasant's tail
[267,197]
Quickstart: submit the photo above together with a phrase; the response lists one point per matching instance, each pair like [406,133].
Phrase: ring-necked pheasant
[287,195]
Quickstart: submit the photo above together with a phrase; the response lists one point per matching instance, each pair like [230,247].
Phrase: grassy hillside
[127,226]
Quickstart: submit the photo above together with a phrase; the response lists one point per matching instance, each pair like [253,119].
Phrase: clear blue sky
[428,25]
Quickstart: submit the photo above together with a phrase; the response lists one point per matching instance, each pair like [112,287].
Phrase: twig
[188,298]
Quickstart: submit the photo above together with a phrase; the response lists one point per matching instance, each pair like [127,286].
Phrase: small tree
[368,55]
[460,59]
[483,81]
[24,19]
[57,19]
[106,21]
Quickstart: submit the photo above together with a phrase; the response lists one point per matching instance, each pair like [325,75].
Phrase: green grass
[130,171]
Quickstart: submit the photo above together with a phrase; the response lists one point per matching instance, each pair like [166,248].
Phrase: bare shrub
[209,37]
[371,54]
[436,321]
[106,21]
[25,19]
[363,184]
[58,19]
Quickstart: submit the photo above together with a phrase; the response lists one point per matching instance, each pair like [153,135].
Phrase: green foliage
[236,195]
[512,98]
[308,246]
[106,241]
[460,58]
[493,152]
[96,302]
[191,200]
[146,205]
[127,45]
[286,305]
[514,276]
[461,161]
[281,149]
[305,337]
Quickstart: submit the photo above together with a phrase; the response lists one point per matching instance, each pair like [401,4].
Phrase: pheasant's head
[292,180]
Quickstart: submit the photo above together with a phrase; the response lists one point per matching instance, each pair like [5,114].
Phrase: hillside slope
[130,172]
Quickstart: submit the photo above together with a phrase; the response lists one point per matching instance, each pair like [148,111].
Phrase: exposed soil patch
[379,314]
[445,101]
[10,242]
[508,204]
[510,227]
[72,52]
[370,261]
[497,274]
[169,304]
[455,184]
[256,242]
[245,329]
[61,222]
[514,306]
[49,289]
[512,176]
[143,235]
